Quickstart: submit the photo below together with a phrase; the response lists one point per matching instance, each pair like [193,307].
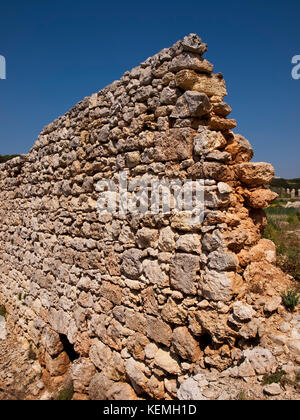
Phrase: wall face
[144,298]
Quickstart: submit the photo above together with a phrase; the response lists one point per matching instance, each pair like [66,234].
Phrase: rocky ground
[267,371]
[20,372]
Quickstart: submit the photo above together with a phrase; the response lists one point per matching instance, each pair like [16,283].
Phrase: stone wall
[143,299]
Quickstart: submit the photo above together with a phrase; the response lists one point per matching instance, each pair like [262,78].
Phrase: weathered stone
[165,361]
[242,311]
[57,366]
[190,390]
[219,123]
[121,391]
[168,96]
[294,347]
[155,388]
[194,43]
[218,171]
[154,273]
[174,144]
[264,250]
[189,243]
[272,304]
[272,389]
[82,371]
[210,85]
[261,360]
[191,61]
[136,344]
[183,273]
[100,354]
[135,321]
[159,331]
[131,264]
[146,237]
[262,273]
[216,286]
[111,292]
[132,159]
[51,341]
[99,387]
[166,241]
[255,174]
[185,345]
[150,350]
[173,313]
[222,109]
[136,376]
[240,149]
[191,104]
[2,328]
[260,198]
[222,260]
[206,141]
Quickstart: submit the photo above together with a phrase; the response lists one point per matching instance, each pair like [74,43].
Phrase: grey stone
[191,61]
[99,387]
[183,273]
[168,96]
[131,263]
[155,274]
[261,360]
[216,286]
[207,141]
[191,104]
[193,43]
[190,390]
[242,311]
[272,389]
[222,260]
[2,328]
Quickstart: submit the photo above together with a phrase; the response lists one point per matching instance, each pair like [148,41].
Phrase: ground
[284,230]
[20,372]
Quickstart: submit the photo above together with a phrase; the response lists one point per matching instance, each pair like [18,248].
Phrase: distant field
[280,185]
[286,183]
[284,230]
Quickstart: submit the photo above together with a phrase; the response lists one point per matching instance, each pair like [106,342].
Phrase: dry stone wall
[141,299]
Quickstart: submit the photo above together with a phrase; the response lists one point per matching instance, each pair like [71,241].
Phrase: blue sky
[58,52]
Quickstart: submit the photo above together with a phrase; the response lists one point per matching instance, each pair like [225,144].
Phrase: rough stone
[183,273]
[185,345]
[191,104]
[165,361]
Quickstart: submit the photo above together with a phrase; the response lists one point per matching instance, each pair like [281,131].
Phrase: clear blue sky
[60,51]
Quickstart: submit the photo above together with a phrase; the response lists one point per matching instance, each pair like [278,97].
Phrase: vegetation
[280,185]
[284,230]
[274,378]
[291,299]
[285,183]
[3,310]
[5,158]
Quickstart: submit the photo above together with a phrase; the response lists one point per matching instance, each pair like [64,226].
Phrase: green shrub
[274,378]
[3,311]
[290,299]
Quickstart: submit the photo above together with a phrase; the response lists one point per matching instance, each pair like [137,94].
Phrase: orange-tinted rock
[260,198]
[255,174]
